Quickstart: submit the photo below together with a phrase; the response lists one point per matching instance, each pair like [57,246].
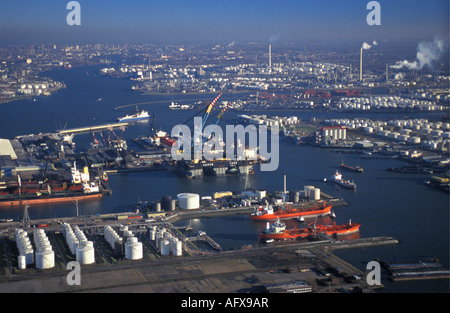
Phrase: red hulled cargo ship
[278,231]
[269,213]
[336,230]
[80,187]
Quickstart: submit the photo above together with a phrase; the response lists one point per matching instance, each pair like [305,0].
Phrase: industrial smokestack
[270,56]
[360,66]
[284,176]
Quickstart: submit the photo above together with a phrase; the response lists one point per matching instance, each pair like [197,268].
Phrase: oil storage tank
[316,194]
[133,249]
[45,259]
[188,201]
[85,254]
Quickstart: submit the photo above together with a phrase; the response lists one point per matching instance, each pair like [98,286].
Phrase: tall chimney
[387,73]
[270,56]
[284,176]
[360,66]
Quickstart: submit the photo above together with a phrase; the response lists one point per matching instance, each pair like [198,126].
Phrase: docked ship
[269,213]
[140,115]
[336,230]
[278,231]
[357,169]
[80,187]
[337,178]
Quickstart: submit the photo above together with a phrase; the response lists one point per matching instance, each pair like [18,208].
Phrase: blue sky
[226,20]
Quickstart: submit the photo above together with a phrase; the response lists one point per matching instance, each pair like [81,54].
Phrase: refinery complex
[277,158]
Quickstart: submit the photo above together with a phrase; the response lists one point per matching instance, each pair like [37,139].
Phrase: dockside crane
[221,113]
[208,110]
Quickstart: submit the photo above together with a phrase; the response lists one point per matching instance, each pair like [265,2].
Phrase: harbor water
[385,203]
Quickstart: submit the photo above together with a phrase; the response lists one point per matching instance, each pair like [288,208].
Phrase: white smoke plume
[274,38]
[399,76]
[427,54]
[366,46]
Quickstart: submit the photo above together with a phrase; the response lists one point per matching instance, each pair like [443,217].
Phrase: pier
[88,129]
[415,268]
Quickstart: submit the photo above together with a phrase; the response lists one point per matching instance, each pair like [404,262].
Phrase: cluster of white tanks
[26,252]
[78,244]
[133,248]
[165,242]
[413,131]
[44,255]
[311,192]
[112,237]
[386,102]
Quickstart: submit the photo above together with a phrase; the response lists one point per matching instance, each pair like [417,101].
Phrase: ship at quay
[278,231]
[79,187]
[310,209]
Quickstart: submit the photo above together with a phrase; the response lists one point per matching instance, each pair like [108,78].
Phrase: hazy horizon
[201,21]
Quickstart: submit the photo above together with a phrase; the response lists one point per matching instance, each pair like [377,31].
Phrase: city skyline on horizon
[202,21]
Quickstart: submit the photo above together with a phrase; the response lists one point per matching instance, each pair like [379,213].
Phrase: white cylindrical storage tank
[188,201]
[133,250]
[405,131]
[178,248]
[414,140]
[436,132]
[158,238]
[152,234]
[22,261]
[165,247]
[45,259]
[402,137]
[74,246]
[85,255]
[307,191]
[316,194]
[29,255]
[393,135]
